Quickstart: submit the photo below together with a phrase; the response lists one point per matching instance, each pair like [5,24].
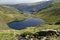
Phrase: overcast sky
[19,1]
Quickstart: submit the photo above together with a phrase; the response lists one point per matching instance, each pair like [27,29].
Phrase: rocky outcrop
[48,32]
[57,23]
[41,35]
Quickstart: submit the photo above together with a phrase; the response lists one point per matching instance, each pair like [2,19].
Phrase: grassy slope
[11,34]
[51,14]
[8,14]
[57,1]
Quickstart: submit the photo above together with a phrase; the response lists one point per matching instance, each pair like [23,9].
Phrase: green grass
[51,14]
[9,14]
[11,34]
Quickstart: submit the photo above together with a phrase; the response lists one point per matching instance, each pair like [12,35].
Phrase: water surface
[30,22]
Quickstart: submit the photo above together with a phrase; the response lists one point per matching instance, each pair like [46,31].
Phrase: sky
[19,1]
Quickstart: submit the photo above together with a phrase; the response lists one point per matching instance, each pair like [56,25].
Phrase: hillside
[57,1]
[8,14]
[50,14]
[30,8]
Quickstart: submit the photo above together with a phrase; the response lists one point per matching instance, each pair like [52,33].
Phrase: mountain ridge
[51,14]
[31,8]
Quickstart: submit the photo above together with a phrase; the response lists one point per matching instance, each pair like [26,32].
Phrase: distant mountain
[51,14]
[32,7]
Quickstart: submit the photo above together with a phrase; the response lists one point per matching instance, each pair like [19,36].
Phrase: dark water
[30,22]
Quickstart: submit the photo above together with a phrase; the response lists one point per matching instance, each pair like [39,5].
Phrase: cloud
[19,1]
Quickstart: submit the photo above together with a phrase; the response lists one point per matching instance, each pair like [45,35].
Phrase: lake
[30,22]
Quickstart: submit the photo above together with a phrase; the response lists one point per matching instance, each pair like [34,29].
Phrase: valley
[19,19]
